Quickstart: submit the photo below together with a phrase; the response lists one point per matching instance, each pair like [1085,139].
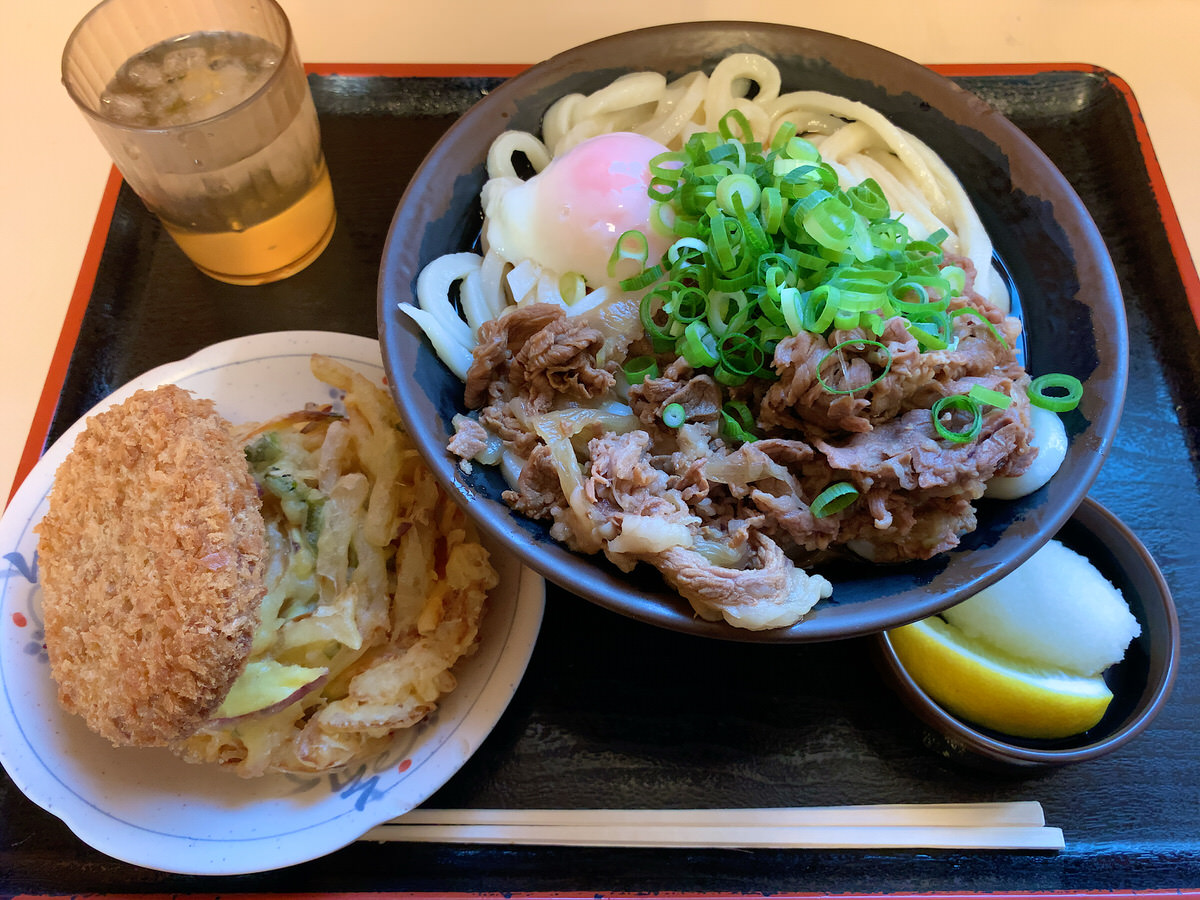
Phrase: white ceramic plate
[151,809]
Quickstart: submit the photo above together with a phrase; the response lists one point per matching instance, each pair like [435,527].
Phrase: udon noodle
[644,468]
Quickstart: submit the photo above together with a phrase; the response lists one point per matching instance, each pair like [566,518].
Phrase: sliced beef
[799,402]
[906,454]
[539,492]
[770,592]
[699,396]
[917,526]
[789,520]
[499,340]
[907,377]
[500,418]
[470,438]
[560,358]
[623,480]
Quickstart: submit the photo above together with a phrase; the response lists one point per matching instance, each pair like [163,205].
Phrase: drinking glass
[205,109]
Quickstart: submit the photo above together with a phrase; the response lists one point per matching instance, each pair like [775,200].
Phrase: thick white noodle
[627,92]
[471,297]
[433,293]
[456,357]
[500,154]
[558,120]
[730,82]
[676,108]
[580,132]
[849,140]
[491,281]
[973,238]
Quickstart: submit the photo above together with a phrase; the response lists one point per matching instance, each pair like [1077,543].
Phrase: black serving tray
[613,713]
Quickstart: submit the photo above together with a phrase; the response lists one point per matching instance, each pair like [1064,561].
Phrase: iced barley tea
[241,186]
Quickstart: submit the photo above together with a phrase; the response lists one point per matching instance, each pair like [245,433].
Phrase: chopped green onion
[821,307]
[931,331]
[955,277]
[640,368]
[889,235]
[765,244]
[845,319]
[831,223]
[664,219]
[791,304]
[698,346]
[784,133]
[864,288]
[834,499]
[722,374]
[723,230]
[646,278]
[737,422]
[753,236]
[799,148]
[988,397]
[867,199]
[688,304]
[772,206]
[960,403]
[738,282]
[1056,381]
[738,118]
[660,336]
[741,185]
[873,322]
[904,288]
[631,245]
[740,354]
[689,249]
[668,166]
[674,415]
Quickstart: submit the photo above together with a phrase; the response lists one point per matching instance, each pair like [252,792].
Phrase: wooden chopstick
[1012,826]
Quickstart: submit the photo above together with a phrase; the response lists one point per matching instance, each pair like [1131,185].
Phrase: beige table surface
[55,171]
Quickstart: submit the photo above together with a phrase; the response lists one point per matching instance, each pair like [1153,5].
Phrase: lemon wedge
[988,688]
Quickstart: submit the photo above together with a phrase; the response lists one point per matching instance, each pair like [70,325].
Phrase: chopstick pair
[1019,825]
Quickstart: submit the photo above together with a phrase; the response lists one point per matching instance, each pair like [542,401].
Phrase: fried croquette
[152,562]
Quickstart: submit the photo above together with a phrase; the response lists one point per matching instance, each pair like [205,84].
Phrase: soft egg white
[567,218]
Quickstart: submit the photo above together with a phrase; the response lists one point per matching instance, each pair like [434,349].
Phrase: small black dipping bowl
[1140,683]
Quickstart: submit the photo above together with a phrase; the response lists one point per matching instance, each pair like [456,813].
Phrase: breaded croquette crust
[151,562]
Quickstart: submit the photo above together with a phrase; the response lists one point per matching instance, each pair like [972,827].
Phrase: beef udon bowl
[766,400]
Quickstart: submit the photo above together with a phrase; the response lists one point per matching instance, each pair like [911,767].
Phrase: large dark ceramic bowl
[1140,683]
[1041,231]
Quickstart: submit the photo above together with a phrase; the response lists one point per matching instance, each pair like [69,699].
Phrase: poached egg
[568,217]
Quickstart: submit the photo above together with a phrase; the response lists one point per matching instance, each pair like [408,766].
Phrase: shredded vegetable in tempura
[376,585]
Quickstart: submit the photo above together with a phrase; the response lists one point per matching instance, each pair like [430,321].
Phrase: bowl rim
[1099,521]
[592,578]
